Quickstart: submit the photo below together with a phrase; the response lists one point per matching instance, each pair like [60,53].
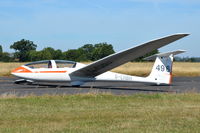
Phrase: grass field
[6,68]
[143,69]
[140,113]
[140,69]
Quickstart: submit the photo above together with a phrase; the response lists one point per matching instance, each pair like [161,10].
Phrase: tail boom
[161,73]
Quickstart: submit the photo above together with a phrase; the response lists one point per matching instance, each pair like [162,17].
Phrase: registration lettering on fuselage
[123,77]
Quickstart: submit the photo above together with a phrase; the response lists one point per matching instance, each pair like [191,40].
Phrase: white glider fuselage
[63,74]
[60,71]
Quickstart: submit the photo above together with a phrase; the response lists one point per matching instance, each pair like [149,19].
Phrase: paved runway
[180,85]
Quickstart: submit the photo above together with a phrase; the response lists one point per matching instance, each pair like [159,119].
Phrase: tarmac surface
[179,85]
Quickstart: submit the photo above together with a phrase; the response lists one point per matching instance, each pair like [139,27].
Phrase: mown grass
[152,113]
[131,68]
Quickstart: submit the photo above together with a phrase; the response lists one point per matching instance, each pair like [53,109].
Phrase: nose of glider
[19,70]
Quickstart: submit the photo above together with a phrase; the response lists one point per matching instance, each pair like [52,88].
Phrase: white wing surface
[107,63]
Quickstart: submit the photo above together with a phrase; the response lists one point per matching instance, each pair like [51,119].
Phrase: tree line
[187,59]
[25,51]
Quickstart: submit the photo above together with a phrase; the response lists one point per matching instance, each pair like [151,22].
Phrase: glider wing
[107,63]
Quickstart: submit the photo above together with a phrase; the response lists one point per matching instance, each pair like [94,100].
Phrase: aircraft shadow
[46,86]
[133,89]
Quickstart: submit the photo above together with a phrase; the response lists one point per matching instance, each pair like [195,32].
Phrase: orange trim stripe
[24,70]
[170,79]
[21,70]
[52,71]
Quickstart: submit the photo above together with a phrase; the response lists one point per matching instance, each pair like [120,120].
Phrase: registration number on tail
[162,68]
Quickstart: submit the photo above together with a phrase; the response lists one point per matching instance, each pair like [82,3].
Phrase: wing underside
[105,64]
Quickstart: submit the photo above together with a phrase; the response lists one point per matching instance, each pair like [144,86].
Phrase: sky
[69,24]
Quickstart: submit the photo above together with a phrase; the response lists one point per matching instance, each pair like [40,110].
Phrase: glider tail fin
[162,68]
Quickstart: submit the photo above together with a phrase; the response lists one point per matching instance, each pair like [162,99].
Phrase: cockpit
[51,64]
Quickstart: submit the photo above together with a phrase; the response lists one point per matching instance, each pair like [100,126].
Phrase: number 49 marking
[162,68]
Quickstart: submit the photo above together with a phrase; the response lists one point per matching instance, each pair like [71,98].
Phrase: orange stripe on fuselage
[24,70]
[170,79]
[21,70]
[52,71]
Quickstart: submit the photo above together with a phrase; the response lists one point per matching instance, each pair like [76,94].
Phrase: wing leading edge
[107,63]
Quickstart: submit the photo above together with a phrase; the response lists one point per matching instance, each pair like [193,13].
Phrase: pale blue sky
[67,24]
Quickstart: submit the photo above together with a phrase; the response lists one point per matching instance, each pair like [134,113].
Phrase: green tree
[34,55]
[50,53]
[74,55]
[71,54]
[47,53]
[87,51]
[58,55]
[102,50]
[22,49]
[1,49]
[1,53]
[6,57]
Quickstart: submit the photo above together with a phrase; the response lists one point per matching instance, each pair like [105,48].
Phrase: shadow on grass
[47,86]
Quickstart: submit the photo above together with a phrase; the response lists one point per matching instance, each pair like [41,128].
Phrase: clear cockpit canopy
[50,64]
[65,64]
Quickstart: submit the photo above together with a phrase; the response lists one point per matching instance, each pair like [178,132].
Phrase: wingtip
[181,50]
[182,34]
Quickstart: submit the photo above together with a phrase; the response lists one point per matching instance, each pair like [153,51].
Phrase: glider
[78,74]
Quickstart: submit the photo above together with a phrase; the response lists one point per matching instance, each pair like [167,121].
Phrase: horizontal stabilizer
[153,57]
